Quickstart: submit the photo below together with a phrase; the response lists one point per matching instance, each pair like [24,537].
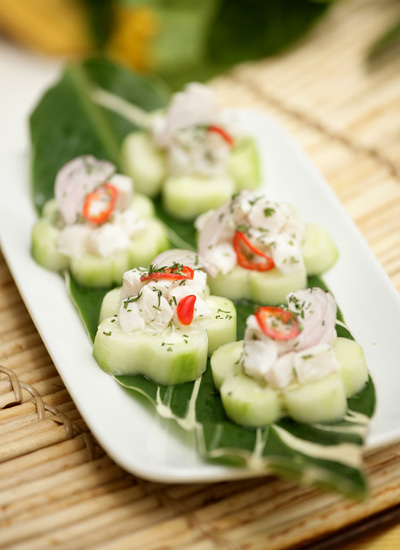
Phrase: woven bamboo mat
[58,487]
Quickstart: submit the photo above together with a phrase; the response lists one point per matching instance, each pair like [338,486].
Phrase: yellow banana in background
[55,27]
[65,27]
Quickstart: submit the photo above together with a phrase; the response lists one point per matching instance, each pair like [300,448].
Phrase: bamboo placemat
[58,487]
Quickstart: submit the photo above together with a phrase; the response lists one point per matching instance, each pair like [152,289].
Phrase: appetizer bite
[261,250]
[95,226]
[193,154]
[291,363]
[162,323]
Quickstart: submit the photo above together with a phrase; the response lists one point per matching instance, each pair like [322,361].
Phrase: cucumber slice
[186,197]
[272,287]
[146,245]
[264,288]
[319,250]
[144,163]
[44,246]
[352,365]
[234,285]
[221,329]
[95,271]
[50,209]
[318,401]
[249,402]
[165,357]
[143,206]
[244,164]
[225,362]
[110,304]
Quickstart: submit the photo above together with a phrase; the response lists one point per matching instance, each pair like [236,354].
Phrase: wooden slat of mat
[52,494]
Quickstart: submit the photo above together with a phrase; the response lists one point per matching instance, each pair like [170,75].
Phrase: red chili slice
[277,323]
[223,133]
[240,239]
[179,272]
[185,309]
[100,203]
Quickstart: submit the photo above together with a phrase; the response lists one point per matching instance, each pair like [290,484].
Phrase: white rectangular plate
[129,429]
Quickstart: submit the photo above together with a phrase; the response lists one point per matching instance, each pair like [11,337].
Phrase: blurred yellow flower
[133,32]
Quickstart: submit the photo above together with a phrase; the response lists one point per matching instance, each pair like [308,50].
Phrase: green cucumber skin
[318,401]
[144,163]
[146,245]
[249,402]
[95,271]
[225,362]
[221,328]
[44,246]
[271,287]
[263,288]
[151,354]
[244,164]
[319,251]
[110,304]
[185,197]
[352,365]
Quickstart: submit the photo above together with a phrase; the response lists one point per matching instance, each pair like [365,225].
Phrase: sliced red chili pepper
[277,323]
[174,273]
[240,239]
[100,203]
[185,309]
[223,133]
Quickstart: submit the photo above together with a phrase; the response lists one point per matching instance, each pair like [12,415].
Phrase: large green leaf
[67,122]
[251,29]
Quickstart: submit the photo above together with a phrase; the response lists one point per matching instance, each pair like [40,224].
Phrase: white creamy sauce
[346,453]
[188,422]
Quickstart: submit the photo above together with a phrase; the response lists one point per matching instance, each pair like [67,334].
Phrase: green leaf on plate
[67,122]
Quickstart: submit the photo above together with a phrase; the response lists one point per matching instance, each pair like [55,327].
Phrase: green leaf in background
[252,29]
[327,455]
[67,122]
[198,40]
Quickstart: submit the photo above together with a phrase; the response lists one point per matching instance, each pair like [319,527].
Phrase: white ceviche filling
[194,133]
[152,301]
[249,231]
[94,205]
[281,356]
